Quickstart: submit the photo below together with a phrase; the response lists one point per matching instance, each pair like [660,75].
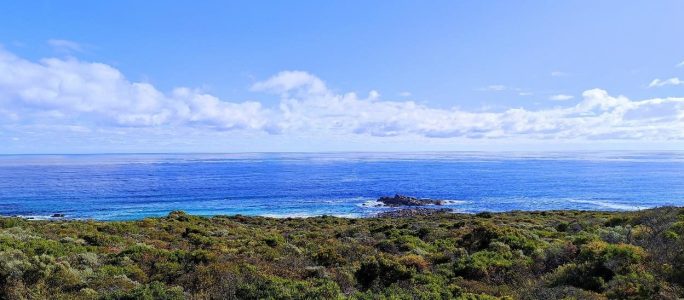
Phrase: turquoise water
[115,187]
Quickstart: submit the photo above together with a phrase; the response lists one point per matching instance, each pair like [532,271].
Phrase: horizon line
[342,151]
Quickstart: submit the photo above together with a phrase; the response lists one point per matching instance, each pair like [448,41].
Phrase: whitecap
[376,203]
[38,217]
[372,203]
[454,202]
[611,205]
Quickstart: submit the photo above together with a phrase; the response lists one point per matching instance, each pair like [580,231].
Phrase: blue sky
[156,76]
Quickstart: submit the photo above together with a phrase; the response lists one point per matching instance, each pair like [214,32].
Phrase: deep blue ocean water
[133,186]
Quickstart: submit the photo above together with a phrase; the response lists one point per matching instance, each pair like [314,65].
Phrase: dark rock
[58,215]
[401,200]
[413,212]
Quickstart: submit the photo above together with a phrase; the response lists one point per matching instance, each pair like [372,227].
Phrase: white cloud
[561,97]
[558,74]
[660,83]
[405,94]
[681,64]
[288,81]
[494,88]
[597,116]
[67,90]
[78,97]
[65,46]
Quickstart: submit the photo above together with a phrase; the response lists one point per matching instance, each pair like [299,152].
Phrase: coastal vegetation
[440,255]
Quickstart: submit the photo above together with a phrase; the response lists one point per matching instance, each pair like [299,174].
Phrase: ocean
[134,186]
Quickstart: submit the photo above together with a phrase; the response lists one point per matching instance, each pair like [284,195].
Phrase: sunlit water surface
[115,187]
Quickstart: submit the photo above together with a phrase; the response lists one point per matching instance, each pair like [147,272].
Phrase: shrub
[533,255]
[328,256]
[483,264]
[382,272]
[558,254]
[152,291]
[415,262]
[562,292]
[484,214]
[585,276]
[633,286]
[85,260]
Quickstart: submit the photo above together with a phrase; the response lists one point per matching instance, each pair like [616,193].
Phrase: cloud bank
[70,93]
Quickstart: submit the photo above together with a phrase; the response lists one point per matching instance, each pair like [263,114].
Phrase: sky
[262,76]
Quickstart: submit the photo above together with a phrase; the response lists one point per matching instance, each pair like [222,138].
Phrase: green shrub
[585,276]
[152,291]
[633,286]
[521,255]
[382,272]
[328,256]
[483,264]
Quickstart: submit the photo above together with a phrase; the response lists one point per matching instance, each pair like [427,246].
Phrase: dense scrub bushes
[517,255]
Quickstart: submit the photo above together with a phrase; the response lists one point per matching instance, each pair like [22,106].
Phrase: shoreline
[406,212]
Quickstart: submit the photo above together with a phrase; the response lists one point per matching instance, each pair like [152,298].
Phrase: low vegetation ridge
[514,255]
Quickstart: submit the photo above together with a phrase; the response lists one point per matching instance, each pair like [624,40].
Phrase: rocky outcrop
[401,200]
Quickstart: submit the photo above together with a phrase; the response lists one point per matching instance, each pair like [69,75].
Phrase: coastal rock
[401,200]
[57,215]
